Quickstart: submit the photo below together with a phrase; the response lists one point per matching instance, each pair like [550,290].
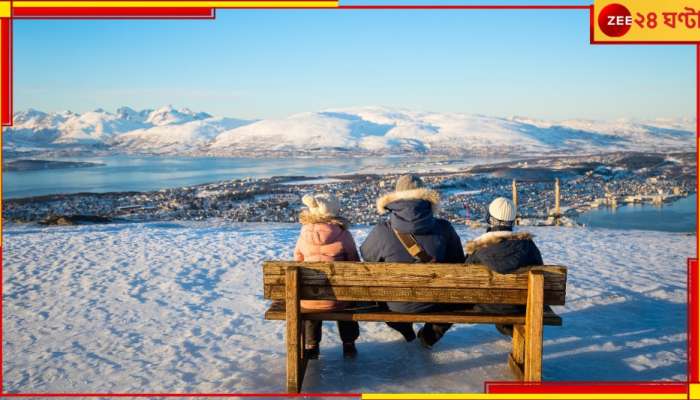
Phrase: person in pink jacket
[325,237]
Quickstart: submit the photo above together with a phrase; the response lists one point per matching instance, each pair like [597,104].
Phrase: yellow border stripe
[173,4]
[694,391]
[525,396]
[5,9]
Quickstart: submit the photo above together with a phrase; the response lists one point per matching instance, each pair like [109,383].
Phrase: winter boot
[505,330]
[311,353]
[349,350]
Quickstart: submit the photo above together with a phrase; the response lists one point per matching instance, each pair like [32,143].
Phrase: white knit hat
[323,204]
[502,209]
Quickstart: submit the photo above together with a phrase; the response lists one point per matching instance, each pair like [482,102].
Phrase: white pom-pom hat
[502,209]
[322,205]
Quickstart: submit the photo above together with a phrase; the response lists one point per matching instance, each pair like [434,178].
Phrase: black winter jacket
[503,251]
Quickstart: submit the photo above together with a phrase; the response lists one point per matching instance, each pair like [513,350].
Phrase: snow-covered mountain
[127,129]
[176,138]
[361,130]
[95,127]
[314,131]
[170,116]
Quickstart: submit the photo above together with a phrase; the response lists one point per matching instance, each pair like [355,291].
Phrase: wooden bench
[288,282]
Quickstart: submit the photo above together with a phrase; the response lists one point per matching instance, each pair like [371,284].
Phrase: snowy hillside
[166,125]
[176,137]
[361,130]
[166,307]
[170,116]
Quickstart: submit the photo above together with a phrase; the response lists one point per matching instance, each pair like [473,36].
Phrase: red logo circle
[615,20]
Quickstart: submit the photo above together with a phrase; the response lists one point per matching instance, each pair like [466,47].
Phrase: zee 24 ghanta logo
[615,20]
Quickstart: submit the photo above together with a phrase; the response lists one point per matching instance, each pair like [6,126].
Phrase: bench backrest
[434,283]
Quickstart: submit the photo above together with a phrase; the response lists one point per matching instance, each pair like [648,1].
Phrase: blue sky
[271,63]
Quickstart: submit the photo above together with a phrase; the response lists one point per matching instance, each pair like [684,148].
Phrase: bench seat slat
[462,276]
[414,294]
[277,312]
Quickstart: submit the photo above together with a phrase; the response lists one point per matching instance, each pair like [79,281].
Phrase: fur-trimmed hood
[428,195]
[306,217]
[491,238]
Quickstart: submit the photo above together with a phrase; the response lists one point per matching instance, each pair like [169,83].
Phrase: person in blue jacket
[412,210]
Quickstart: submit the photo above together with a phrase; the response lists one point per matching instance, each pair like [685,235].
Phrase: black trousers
[349,332]
[432,332]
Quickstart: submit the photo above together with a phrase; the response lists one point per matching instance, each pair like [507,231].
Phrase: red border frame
[587,387]
[6,71]
[693,310]
[514,388]
[113,13]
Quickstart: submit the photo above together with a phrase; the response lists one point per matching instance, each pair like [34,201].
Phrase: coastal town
[547,191]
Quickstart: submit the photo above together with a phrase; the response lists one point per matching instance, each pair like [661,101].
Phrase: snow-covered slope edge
[165,307]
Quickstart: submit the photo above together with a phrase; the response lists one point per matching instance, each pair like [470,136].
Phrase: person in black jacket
[411,209]
[502,250]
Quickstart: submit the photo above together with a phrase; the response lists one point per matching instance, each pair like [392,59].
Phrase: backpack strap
[413,248]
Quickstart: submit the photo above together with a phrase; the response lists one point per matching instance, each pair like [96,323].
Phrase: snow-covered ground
[178,307]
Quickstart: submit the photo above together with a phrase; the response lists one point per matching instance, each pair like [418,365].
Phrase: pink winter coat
[324,239]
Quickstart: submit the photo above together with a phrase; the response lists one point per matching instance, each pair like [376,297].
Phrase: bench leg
[533,327]
[302,358]
[295,364]
[302,341]
[517,357]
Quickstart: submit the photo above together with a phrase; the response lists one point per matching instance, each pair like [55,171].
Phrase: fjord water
[146,173]
[679,216]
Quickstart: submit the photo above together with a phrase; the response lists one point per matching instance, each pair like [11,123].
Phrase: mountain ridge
[356,130]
